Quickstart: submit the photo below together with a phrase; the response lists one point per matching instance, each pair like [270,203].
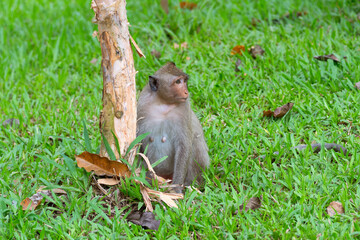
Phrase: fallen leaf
[237,64]
[145,194]
[181,46]
[150,168]
[32,202]
[238,49]
[335,208]
[156,54]
[145,219]
[167,198]
[28,202]
[327,57]
[253,204]
[165,5]
[268,113]
[101,165]
[138,50]
[94,61]
[256,51]
[281,111]
[357,85]
[12,122]
[108,181]
[188,5]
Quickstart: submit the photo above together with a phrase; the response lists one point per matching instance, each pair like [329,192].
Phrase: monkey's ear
[154,83]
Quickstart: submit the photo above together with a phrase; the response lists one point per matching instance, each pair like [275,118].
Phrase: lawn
[50,80]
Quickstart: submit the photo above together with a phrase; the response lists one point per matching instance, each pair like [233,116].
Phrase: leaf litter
[279,112]
[101,166]
[32,202]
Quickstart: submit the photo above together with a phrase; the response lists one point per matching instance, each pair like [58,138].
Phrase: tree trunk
[118,115]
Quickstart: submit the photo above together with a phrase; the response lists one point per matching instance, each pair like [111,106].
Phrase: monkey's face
[172,89]
[179,90]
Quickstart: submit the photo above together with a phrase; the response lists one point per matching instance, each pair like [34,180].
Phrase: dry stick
[316,148]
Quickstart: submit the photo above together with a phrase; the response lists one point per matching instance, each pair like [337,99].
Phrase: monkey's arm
[316,148]
[200,147]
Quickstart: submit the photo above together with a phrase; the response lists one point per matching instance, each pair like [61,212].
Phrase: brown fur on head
[170,83]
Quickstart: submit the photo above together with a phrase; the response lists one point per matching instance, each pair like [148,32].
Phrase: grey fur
[185,144]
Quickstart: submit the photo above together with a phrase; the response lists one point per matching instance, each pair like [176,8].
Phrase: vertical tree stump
[119,92]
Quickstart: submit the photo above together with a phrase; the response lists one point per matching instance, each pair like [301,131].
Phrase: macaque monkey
[164,111]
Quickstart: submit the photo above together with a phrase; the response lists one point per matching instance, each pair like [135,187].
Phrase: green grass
[49,84]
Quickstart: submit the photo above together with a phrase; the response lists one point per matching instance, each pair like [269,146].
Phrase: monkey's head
[170,83]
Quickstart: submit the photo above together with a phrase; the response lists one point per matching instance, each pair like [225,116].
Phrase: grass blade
[87,139]
[136,141]
[109,151]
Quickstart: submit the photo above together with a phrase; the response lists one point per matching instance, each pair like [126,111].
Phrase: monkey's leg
[181,164]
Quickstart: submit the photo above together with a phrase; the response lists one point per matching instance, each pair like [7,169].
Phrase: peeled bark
[118,115]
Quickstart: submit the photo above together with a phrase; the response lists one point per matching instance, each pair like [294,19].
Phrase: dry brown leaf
[32,202]
[335,208]
[281,111]
[357,85]
[256,51]
[268,113]
[161,180]
[327,57]
[167,198]
[188,5]
[95,34]
[102,165]
[108,181]
[138,50]
[238,49]
[28,202]
[165,5]
[146,198]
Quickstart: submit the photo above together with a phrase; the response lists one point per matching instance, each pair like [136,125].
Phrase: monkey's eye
[178,81]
